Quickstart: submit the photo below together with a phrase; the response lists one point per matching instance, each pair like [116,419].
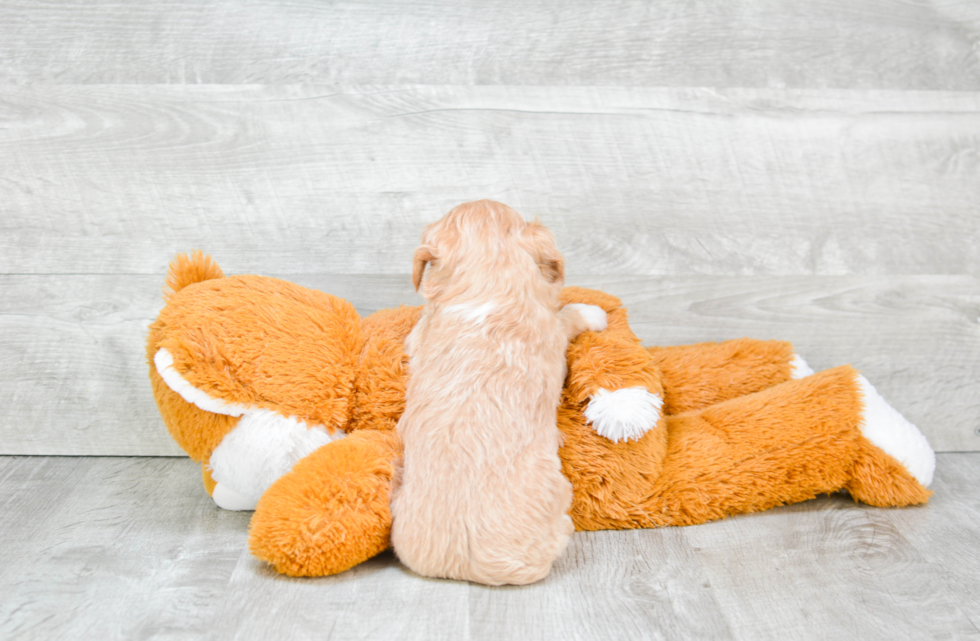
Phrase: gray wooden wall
[800,170]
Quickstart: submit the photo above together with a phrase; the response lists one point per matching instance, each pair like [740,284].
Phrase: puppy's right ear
[422,257]
[541,245]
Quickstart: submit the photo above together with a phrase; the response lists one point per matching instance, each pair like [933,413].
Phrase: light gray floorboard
[380,599]
[653,181]
[111,548]
[819,43]
[850,572]
[106,548]
[949,530]
[73,375]
[642,584]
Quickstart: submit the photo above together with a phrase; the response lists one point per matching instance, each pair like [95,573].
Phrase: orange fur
[331,511]
[295,352]
[616,484]
[197,432]
[700,375]
[382,371]
[209,482]
[481,495]
[878,479]
[188,269]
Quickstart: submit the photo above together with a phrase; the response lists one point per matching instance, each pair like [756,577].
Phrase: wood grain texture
[821,43]
[112,548]
[837,568]
[98,548]
[379,599]
[292,180]
[949,530]
[73,377]
[650,586]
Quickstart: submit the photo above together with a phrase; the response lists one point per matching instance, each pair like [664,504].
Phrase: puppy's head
[484,240]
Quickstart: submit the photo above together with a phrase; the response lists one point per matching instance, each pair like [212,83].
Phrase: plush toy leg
[783,445]
[331,511]
[624,414]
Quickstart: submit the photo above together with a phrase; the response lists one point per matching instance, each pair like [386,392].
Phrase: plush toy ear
[422,257]
[541,246]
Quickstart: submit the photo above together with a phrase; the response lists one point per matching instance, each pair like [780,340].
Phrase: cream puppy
[481,495]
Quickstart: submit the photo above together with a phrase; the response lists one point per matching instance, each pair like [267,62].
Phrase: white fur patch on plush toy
[799,368]
[262,447]
[624,414]
[593,315]
[228,499]
[895,435]
[163,360]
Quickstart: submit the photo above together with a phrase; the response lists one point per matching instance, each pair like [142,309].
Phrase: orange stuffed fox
[289,400]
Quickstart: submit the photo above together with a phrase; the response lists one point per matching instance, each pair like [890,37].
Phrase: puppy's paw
[624,414]
[593,316]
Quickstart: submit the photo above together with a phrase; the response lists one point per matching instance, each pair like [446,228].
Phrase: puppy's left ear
[541,245]
[422,257]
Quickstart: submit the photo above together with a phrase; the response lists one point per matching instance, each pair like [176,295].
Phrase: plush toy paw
[593,315]
[799,368]
[262,447]
[624,414]
[895,435]
[228,499]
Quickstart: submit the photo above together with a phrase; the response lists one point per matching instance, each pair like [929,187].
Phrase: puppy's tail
[187,269]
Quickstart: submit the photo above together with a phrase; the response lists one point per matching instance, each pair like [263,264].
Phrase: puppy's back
[483,497]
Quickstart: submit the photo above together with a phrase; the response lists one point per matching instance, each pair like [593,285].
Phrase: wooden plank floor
[107,548]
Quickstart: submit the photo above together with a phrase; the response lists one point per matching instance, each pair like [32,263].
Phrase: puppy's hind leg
[577,318]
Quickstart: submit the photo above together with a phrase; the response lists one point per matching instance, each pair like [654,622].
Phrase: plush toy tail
[187,269]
